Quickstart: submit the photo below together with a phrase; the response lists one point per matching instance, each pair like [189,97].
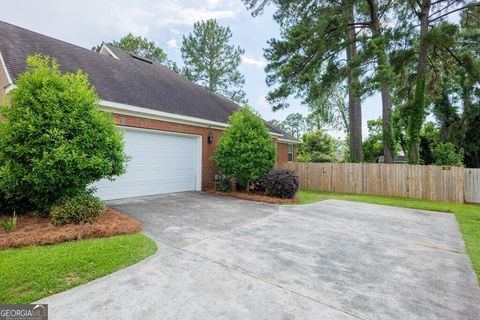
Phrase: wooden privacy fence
[452,184]
[472,185]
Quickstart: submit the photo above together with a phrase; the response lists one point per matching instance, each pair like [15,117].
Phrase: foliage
[373,144]
[81,208]
[10,224]
[429,138]
[245,151]
[55,141]
[31,273]
[212,62]
[308,59]
[281,183]
[138,45]
[223,185]
[294,125]
[445,154]
[329,111]
[278,124]
[317,146]
[468,215]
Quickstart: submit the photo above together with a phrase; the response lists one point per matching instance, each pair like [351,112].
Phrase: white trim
[199,163]
[9,79]
[288,141]
[109,51]
[198,137]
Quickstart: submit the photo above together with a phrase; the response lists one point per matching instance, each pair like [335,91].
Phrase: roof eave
[126,109]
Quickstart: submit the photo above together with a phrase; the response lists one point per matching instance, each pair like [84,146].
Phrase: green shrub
[223,185]
[245,151]
[9,225]
[55,141]
[281,183]
[77,209]
[445,154]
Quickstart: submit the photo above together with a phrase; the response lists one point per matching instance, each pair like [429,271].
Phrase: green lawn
[31,273]
[468,215]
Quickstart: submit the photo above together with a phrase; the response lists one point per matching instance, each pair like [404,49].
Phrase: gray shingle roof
[128,80]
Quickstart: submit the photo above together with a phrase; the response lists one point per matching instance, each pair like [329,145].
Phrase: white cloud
[172,44]
[255,62]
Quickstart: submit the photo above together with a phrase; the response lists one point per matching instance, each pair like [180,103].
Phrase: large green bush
[55,141]
[316,146]
[245,151]
[445,154]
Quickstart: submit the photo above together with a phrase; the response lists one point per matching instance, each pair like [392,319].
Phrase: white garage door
[160,163]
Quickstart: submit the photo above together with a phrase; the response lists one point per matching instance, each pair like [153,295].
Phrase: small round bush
[78,209]
[281,183]
[223,185]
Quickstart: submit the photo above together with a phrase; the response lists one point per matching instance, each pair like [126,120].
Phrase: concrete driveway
[222,258]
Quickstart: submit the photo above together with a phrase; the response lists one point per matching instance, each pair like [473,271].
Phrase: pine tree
[212,62]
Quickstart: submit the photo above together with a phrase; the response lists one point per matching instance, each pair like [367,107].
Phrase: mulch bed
[33,230]
[254,196]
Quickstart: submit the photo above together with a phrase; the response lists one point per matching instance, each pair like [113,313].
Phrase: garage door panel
[160,163]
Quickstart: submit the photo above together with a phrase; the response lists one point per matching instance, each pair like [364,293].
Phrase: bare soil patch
[33,230]
[254,196]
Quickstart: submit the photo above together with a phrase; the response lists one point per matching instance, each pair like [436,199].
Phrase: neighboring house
[171,124]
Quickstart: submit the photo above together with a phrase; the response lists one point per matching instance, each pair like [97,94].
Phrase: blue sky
[86,23]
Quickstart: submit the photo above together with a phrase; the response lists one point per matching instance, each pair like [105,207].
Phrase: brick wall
[3,83]
[282,152]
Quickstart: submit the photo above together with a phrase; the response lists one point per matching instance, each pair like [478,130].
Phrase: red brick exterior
[209,169]
[3,83]
[282,152]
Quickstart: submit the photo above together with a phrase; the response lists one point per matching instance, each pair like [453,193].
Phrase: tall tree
[211,61]
[309,58]
[353,76]
[383,72]
[427,18]
[294,124]
[138,45]
[330,111]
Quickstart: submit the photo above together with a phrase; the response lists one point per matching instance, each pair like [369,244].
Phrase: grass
[468,215]
[34,272]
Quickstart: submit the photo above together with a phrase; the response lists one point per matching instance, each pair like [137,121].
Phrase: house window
[290,153]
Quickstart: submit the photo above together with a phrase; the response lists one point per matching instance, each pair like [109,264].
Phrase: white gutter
[4,66]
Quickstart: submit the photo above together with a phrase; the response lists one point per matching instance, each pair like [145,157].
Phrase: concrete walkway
[222,258]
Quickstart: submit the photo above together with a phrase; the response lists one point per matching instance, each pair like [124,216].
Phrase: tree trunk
[354,102]
[417,112]
[383,78]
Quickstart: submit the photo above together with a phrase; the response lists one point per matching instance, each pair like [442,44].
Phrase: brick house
[171,124]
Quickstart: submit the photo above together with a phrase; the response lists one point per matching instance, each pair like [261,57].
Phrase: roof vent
[141,58]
